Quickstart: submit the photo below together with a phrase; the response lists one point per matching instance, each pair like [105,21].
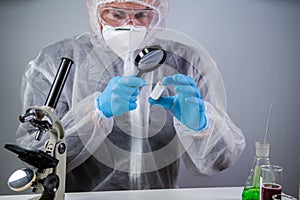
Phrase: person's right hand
[120,95]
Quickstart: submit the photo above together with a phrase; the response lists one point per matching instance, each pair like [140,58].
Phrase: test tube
[157,91]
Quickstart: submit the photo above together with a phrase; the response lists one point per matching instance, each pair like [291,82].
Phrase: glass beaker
[282,197]
[271,182]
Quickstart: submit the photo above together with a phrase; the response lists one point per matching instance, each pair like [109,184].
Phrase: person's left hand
[187,106]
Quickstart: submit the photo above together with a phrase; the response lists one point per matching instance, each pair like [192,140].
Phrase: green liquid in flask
[251,193]
[252,187]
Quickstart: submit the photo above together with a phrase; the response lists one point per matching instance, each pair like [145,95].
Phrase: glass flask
[252,187]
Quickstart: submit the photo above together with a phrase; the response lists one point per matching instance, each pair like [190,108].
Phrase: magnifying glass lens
[149,59]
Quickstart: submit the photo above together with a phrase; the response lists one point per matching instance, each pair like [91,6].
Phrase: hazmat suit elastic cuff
[99,112]
[201,134]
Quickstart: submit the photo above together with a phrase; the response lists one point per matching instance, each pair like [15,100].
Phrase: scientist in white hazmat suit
[117,137]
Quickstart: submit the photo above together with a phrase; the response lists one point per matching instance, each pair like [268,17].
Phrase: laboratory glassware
[271,181]
[283,197]
[252,187]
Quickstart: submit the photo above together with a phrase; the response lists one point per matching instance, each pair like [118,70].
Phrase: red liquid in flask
[270,189]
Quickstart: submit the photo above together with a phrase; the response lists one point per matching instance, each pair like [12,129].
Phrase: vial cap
[262,149]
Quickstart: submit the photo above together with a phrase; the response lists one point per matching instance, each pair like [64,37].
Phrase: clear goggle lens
[119,17]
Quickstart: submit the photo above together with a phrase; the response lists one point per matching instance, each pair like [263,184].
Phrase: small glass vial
[157,91]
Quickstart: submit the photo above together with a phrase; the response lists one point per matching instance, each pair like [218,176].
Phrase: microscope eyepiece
[59,82]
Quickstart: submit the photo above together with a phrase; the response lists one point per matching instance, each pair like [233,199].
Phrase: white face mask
[123,39]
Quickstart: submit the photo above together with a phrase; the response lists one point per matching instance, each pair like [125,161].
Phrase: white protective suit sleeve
[221,142]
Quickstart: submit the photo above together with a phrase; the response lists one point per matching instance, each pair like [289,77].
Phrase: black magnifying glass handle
[140,74]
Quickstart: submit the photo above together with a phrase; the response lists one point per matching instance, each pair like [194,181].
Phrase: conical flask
[252,187]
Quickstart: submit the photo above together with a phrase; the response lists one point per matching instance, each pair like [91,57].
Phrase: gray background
[256,44]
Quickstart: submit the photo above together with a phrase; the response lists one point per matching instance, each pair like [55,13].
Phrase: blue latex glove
[120,95]
[187,106]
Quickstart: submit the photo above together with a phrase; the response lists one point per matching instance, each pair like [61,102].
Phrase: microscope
[49,166]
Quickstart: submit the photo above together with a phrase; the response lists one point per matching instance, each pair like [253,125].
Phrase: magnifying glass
[149,59]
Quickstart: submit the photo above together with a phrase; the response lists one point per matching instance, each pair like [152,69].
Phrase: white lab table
[216,193]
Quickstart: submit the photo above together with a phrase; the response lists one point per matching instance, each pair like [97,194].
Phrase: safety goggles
[119,17]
